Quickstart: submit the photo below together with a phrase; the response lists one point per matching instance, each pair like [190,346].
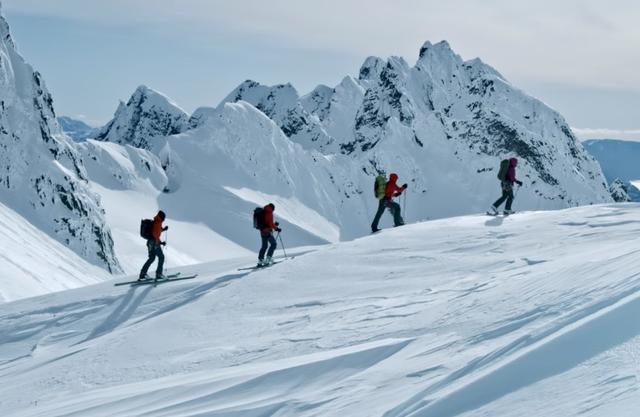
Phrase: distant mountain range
[619,160]
[76,129]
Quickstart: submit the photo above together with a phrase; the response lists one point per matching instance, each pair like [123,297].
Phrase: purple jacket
[511,173]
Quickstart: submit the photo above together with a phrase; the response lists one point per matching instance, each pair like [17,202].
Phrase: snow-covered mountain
[619,161]
[282,104]
[530,315]
[443,125]
[148,114]
[43,177]
[76,129]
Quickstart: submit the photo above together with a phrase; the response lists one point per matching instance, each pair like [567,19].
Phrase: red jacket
[268,219]
[156,229]
[392,188]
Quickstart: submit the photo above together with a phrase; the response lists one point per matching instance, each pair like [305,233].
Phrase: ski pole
[283,250]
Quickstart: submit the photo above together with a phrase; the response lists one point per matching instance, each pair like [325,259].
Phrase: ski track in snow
[534,315]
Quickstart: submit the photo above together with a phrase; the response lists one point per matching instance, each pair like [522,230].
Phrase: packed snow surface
[530,315]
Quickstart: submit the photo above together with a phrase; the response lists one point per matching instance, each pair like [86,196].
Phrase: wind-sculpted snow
[469,316]
[43,177]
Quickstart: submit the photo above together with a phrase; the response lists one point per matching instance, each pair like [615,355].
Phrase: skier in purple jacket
[507,189]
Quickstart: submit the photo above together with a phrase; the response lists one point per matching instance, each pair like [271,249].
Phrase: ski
[162,281]
[137,282]
[256,268]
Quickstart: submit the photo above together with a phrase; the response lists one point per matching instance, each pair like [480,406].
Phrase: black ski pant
[155,251]
[395,211]
[507,194]
[267,239]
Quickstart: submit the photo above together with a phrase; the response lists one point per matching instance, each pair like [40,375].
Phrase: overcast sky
[580,56]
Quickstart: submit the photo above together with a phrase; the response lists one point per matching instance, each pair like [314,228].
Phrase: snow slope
[530,315]
[32,263]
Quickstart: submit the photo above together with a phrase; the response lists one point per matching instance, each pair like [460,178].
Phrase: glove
[397,194]
[164,229]
[163,243]
[519,183]
[278,229]
[404,186]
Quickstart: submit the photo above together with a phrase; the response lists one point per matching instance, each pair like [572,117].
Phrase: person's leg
[397,214]
[504,196]
[382,204]
[272,245]
[509,192]
[160,256]
[263,248]
[152,257]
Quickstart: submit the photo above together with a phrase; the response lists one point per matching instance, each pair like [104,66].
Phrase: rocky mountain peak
[146,115]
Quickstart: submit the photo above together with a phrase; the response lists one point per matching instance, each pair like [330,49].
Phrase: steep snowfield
[530,315]
[32,263]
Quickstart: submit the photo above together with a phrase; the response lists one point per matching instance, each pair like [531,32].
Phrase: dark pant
[155,250]
[393,207]
[267,239]
[507,194]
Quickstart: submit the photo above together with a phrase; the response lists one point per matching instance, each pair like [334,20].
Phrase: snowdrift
[534,314]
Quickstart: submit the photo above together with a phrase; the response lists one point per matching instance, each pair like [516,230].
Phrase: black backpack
[504,168]
[146,226]
[258,218]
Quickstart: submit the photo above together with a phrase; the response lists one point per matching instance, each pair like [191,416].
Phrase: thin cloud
[591,133]
[579,42]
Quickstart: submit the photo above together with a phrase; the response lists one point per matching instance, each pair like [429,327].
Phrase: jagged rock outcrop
[619,191]
[42,176]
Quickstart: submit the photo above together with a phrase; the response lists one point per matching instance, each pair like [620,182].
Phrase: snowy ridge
[147,114]
[43,177]
[282,104]
[482,318]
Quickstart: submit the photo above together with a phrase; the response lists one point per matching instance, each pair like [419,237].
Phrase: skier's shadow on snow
[495,222]
[120,314]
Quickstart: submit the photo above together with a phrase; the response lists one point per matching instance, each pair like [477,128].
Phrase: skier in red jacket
[266,234]
[391,190]
[154,246]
